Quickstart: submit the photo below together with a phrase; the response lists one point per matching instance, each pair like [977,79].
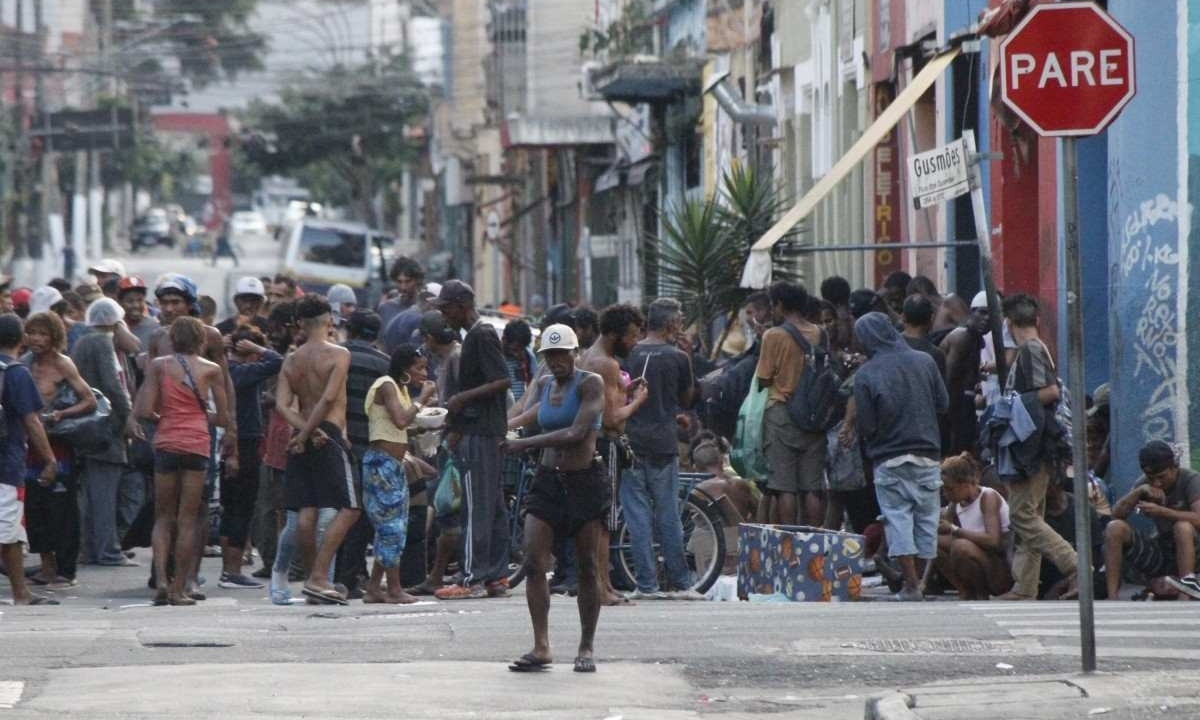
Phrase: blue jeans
[286,547]
[650,501]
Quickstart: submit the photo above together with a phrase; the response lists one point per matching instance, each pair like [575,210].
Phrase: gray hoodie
[898,394]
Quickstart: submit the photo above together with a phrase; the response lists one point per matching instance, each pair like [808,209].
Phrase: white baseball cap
[109,266]
[249,286]
[43,299]
[559,337]
[980,300]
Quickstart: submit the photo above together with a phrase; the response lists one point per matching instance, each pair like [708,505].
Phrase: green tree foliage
[706,243]
[343,133]
[210,39]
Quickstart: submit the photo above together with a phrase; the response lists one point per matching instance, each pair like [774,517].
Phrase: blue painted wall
[1094,239]
[1149,385]
[1193,196]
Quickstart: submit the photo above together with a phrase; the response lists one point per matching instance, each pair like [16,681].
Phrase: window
[333,247]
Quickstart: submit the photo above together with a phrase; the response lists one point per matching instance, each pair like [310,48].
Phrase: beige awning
[757,273]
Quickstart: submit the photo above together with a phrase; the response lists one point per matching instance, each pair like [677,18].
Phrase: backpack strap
[191,383]
[798,336]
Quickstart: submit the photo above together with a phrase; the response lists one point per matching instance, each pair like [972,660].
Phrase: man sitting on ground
[1170,496]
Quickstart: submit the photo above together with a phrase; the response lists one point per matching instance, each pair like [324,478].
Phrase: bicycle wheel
[703,547]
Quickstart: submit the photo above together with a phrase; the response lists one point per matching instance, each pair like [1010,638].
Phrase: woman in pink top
[175,396]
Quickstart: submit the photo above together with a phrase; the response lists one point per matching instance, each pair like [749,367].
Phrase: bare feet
[400,598]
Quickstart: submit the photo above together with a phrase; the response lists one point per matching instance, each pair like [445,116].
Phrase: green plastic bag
[448,498]
[747,456]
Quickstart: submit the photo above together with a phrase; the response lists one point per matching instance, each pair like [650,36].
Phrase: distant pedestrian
[224,248]
[898,395]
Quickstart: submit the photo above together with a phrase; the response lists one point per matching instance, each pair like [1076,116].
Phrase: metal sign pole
[984,238]
[1083,521]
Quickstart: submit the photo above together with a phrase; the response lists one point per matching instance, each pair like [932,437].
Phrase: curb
[893,706]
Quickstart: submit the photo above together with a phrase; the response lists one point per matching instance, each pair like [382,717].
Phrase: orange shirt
[781,361]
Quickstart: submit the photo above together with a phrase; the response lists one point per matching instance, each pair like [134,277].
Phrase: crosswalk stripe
[10,693]
[1058,606]
[1100,632]
[1175,621]
[1129,652]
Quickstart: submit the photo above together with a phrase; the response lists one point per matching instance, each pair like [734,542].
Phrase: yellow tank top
[379,421]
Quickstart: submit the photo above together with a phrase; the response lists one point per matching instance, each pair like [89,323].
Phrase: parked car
[151,229]
[321,253]
[247,225]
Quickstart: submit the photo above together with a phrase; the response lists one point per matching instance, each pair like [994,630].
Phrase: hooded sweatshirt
[898,394]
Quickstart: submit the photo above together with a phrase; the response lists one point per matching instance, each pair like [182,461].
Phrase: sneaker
[655,595]
[232,581]
[1189,586]
[460,592]
[263,572]
[688,594]
[498,589]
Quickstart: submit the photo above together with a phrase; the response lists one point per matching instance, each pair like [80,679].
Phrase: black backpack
[816,404]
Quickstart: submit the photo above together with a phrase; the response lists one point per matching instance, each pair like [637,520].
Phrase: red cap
[131,282]
[20,297]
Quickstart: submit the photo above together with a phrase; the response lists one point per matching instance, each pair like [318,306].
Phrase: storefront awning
[757,273]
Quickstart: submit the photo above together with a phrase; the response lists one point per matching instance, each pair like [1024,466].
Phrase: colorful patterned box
[799,563]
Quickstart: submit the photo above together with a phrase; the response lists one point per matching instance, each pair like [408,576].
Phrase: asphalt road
[256,256]
[105,653]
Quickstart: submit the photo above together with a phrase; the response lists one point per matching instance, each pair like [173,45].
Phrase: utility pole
[16,217]
[36,245]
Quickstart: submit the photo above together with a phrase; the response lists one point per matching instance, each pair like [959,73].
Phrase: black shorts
[1153,556]
[321,477]
[167,462]
[568,500]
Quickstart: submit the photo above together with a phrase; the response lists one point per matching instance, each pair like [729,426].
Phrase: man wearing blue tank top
[569,497]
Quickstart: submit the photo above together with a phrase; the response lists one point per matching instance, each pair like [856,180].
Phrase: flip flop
[36,580]
[530,663]
[43,600]
[327,597]
[585,665]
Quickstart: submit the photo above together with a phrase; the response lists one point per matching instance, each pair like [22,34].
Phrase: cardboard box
[799,563]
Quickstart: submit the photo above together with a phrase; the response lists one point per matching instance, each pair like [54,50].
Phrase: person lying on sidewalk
[1169,496]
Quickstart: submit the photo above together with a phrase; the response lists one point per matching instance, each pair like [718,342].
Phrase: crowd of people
[331,433]
[882,412]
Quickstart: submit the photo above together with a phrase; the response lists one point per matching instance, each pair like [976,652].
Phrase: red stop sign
[1067,69]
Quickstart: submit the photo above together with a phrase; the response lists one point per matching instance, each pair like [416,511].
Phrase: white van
[321,253]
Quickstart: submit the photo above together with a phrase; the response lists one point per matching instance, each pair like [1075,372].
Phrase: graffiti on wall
[1149,259]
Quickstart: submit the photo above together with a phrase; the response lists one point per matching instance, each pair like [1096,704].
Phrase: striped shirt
[367,364]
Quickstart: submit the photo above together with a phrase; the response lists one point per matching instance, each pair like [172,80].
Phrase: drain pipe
[741,111]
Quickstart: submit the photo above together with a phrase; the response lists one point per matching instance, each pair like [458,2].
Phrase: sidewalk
[1160,694]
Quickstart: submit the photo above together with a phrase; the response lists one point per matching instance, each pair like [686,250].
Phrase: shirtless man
[569,497]
[51,508]
[620,328]
[962,346]
[311,396]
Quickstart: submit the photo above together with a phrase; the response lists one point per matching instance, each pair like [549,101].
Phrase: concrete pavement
[1103,695]
[105,653]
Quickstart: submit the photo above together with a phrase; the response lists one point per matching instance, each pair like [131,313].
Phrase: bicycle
[703,524]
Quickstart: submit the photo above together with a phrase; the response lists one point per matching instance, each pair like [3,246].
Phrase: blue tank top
[558,417]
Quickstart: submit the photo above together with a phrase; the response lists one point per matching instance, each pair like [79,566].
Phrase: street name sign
[939,175]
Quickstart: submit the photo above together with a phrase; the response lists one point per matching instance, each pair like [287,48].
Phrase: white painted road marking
[10,693]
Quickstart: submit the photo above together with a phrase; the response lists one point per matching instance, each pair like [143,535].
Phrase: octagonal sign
[1067,69]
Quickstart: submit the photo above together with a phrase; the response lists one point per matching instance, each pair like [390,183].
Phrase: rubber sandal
[584,665]
[36,580]
[160,598]
[327,597]
[43,600]
[530,663]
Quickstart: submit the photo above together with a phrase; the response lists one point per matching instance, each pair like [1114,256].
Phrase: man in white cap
[107,269]
[44,299]
[963,347]
[570,495]
[103,367]
[249,297]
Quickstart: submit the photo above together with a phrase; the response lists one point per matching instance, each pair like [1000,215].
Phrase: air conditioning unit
[587,85]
